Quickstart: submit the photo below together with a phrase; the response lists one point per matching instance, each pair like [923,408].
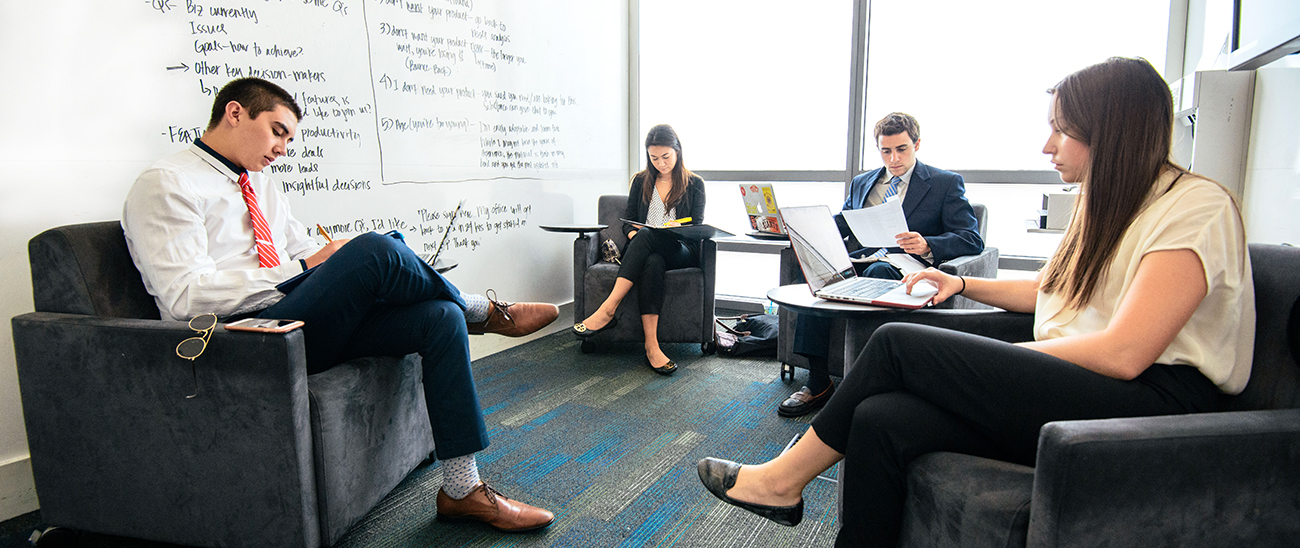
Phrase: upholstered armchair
[262,454]
[688,309]
[1215,479]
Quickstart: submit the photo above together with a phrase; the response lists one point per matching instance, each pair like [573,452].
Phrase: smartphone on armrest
[264,325]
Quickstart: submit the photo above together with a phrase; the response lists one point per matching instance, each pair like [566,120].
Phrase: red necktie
[266,255]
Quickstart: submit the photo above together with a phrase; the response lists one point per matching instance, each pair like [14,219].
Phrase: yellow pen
[681,220]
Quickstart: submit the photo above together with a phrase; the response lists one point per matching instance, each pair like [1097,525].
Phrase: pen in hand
[679,221]
[321,229]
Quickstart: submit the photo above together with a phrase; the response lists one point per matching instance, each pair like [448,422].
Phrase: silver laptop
[826,265]
[764,217]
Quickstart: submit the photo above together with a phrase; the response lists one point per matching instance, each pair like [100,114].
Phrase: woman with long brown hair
[1147,308]
[662,194]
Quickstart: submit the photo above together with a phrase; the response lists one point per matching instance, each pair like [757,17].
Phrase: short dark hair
[898,122]
[256,95]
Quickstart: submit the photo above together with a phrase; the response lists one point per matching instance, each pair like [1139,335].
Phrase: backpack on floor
[752,335]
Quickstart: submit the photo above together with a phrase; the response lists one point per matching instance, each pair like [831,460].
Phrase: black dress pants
[645,260]
[917,389]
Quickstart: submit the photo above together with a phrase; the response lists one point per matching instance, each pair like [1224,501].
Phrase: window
[762,91]
[760,85]
[976,77]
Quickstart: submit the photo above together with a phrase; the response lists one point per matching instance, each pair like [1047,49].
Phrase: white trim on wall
[17,490]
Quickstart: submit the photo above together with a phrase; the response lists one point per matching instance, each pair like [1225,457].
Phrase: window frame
[860,130]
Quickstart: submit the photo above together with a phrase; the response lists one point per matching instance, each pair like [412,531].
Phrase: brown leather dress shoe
[485,504]
[804,401]
[514,319]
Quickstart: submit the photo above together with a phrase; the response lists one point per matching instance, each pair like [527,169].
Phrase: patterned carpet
[610,447]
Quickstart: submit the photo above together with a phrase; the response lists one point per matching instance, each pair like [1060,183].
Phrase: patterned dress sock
[459,476]
[476,307]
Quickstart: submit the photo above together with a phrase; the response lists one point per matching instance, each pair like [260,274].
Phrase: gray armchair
[263,455]
[845,342]
[1213,479]
[688,309]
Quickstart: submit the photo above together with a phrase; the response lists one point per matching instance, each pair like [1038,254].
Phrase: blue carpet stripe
[610,447]
[650,527]
[543,405]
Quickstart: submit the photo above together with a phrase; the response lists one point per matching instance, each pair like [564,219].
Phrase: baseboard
[486,345]
[17,489]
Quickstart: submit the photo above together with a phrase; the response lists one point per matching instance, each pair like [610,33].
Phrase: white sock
[476,307]
[459,476]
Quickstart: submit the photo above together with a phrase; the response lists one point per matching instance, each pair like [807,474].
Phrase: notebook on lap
[826,265]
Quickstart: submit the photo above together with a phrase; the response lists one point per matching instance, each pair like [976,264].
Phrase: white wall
[1272,191]
[1271,194]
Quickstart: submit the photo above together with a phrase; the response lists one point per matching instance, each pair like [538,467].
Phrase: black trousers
[812,334]
[645,260]
[917,389]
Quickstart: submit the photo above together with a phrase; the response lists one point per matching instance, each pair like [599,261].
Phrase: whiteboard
[517,108]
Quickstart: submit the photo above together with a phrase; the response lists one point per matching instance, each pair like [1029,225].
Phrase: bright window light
[974,74]
[758,85]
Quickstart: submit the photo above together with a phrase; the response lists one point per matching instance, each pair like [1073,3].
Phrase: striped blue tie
[889,193]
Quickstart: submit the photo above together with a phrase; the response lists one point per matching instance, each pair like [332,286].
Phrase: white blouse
[1198,215]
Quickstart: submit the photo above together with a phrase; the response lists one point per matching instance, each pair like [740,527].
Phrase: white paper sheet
[907,264]
[877,226]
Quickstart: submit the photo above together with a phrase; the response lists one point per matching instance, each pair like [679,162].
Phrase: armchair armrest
[117,447]
[1215,479]
[982,265]
[709,264]
[789,273]
[586,250]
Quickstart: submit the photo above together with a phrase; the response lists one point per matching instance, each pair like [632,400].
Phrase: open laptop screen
[760,205]
[817,244]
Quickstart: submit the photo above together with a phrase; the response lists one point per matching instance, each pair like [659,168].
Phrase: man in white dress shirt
[210,233]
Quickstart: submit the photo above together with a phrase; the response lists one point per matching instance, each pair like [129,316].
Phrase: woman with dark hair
[663,194]
[1147,308]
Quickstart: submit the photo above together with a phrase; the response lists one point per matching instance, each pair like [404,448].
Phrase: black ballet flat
[719,475]
[666,370]
[582,331]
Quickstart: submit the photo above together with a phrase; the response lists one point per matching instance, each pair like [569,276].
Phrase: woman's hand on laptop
[933,280]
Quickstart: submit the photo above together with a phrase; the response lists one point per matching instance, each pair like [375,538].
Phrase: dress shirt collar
[906,176]
[235,170]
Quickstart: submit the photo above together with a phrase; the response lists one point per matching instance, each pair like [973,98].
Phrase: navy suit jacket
[935,206]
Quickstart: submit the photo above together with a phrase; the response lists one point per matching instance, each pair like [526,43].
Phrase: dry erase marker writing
[321,229]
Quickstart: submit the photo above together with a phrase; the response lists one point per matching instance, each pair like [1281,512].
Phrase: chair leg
[787,372]
[55,537]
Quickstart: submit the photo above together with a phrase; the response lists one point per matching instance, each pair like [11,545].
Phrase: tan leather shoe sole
[485,504]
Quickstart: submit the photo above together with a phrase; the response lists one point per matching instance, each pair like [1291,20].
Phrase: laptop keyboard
[865,288]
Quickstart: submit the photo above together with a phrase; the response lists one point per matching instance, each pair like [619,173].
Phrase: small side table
[574,228]
[799,298]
